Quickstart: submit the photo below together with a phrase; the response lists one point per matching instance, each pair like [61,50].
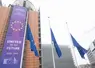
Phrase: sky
[79,15]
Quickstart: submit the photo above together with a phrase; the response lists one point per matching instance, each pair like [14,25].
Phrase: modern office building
[45,53]
[91,54]
[29,58]
[65,61]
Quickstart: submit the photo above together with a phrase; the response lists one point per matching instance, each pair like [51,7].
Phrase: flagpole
[52,47]
[72,48]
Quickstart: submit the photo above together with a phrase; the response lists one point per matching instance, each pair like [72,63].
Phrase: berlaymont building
[29,60]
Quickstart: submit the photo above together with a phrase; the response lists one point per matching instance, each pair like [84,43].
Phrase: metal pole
[52,47]
[72,48]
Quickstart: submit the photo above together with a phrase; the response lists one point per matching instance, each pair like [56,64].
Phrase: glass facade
[65,61]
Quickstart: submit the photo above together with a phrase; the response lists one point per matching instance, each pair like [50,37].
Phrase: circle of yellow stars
[16,29]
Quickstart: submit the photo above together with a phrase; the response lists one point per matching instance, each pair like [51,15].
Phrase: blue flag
[80,49]
[30,38]
[59,53]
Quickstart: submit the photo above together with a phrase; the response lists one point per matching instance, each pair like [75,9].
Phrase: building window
[39,39]
[40,60]
[40,45]
[39,20]
[39,25]
[39,35]
[40,52]
[40,66]
[39,30]
[94,42]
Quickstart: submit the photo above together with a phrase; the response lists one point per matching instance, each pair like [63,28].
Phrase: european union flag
[30,38]
[59,53]
[80,49]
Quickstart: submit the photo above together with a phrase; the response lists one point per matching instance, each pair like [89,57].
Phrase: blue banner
[12,53]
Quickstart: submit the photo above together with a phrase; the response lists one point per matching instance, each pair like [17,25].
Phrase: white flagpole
[72,48]
[52,47]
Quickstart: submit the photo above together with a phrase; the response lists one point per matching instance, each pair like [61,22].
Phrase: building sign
[12,53]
